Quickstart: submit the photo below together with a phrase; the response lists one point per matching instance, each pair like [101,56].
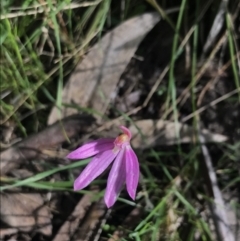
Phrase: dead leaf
[7,231]
[162,132]
[91,221]
[25,212]
[32,146]
[95,78]
[70,226]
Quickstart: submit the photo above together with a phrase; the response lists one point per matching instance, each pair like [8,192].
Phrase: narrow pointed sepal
[92,148]
[132,170]
[95,168]
[116,179]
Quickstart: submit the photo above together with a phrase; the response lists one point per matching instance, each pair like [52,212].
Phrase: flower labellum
[125,166]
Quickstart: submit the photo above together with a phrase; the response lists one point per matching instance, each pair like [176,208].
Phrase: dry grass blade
[200,110]
[185,93]
[38,9]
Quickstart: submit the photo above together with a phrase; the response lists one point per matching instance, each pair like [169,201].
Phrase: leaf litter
[85,219]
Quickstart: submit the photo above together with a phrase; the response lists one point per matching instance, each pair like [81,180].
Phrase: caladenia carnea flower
[125,168]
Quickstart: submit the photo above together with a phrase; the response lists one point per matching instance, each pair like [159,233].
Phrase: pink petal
[126,131]
[132,167]
[92,148]
[98,165]
[116,179]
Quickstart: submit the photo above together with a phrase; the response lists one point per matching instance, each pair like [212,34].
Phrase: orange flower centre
[122,138]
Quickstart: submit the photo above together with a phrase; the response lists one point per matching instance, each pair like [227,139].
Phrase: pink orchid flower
[106,150]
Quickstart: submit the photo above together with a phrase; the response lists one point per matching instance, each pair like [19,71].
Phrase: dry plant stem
[183,97]
[183,43]
[45,8]
[107,124]
[162,12]
[63,24]
[157,83]
[218,208]
[155,86]
[42,40]
[213,103]
[63,28]
[117,120]
[185,94]
[212,82]
[38,9]
[103,222]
